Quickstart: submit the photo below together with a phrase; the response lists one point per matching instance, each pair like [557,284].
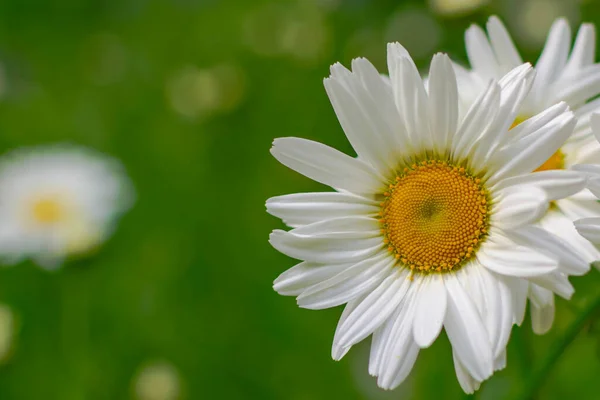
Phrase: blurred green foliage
[189,94]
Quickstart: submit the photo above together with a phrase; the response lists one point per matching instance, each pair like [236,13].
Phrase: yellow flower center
[47,211]
[434,216]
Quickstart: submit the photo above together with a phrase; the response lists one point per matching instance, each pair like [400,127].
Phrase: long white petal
[305,208]
[542,313]
[398,351]
[412,103]
[557,184]
[338,352]
[327,165]
[443,102]
[466,331]
[554,56]
[332,241]
[517,261]
[468,384]
[515,87]
[480,53]
[581,87]
[528,153]
[589,228]
[374,310]
[431,309]
[497,310]
[519,205]
[569,259]
[479,117]
[348,284]
[583,52]
[555,282]
[503,46]
[561,225]
[370,125]
[301,276]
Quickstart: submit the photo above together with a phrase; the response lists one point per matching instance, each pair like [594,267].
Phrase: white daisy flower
[562,74]
[58,202]
[431,226]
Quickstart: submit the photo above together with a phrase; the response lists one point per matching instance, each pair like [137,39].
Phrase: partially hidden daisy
[562,74]
[57,202]
[432,225]
[589,227]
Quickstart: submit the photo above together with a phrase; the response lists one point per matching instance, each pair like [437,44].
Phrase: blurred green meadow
[189,94]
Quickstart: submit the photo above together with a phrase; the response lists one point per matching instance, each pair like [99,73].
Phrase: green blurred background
[189,94]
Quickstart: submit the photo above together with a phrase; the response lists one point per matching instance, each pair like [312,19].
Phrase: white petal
[554,56]
[479,117]
[397,351]
[538,121]
[365,123]
[557,184]
[500,361]
[466,331]
[305,208]
[394,139]
[519,289]
[517,261]
[480,53]
[595,123]
[337,352]
[431,310]
[584,85]
[327,165]
[581,205]
[301,276]
[583,130]
[555,282]
[583,52]
[569,260]
[374,310]
[348,284]
[515,87]
[561,225]
[332,241]
[503,46]
[542,315]
[589,228]
[412,103]
[532,150]
[497,311]
[443,102]
[592,173]
[468,384]
[519,205]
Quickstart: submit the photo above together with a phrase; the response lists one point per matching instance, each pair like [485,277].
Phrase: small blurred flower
[58,202]
[157,381]
[195,92]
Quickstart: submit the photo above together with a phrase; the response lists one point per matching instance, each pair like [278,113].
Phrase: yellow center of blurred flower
[556,160]
[47,211]
[434,216]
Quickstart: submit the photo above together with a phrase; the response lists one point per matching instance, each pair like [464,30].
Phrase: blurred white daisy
[57,202]
[158,380]
[431,226]
[562,74]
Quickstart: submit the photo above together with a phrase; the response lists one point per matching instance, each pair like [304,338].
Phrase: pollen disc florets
[434,216]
